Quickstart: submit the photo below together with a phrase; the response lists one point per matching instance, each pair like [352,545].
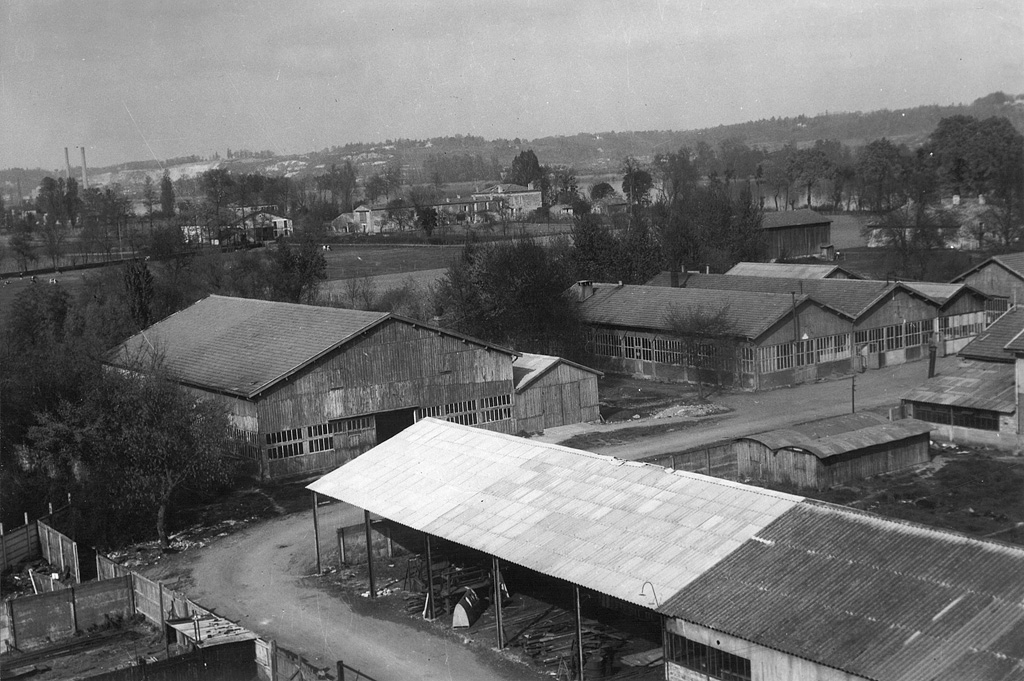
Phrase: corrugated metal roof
[987,386]
[529,367]
[793,218]
[789,270]
[845,443]
[647,307]
[242,346]
[991,344]
[595,521]
[814,430]
[874,597]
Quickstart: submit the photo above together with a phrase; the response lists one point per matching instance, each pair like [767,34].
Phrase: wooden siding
[896,308]
[717,460]
[797,241]
[803,469]
[562,396]
[811,320]
[394,366]
[996,280]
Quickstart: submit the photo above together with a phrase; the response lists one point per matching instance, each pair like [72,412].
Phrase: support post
[369,552]
[391,546]
[341,547]
[498,624]
[3,545]
[579,629]
[163,621]
[853,392]
[9,604]
[316,530]
[74,612]
[78,568]
[28,535]
[341,671]
[430,581]
[273,660]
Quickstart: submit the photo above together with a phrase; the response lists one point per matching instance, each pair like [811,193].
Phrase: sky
[154,79]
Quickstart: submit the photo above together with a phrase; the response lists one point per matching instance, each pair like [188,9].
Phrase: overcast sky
[140,79]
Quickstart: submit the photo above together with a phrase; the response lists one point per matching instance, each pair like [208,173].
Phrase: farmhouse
[552,391]
[747,583]
[792,270]
[518,200]
[796,233]
[312,387]
[833,451]
[761,340]
[893,321]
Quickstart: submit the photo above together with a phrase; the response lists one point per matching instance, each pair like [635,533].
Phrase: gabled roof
[990,344]
[592,520]
[883,599]
[790,270]
[529,367]
[793,218]
[242,347]
[1011,262]
[504,188]
[813,430]
[647,307]
[850,296]
[978,385]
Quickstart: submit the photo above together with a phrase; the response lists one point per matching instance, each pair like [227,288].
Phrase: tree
[296,272]
[601,190]
[143,435]
[879,166]
[636,185]
[428,218]
[709,343]
[149,198]
[676,174]
[809,166]
[138,286]
[375,188]
[392,178]
[400,213]
[217,184]
[525,169]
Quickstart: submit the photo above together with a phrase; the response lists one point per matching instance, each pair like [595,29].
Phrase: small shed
[552,391]
[833,451]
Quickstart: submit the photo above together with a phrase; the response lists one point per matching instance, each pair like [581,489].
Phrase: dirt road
[260,578]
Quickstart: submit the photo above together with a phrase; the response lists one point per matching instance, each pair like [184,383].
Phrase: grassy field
[355,262]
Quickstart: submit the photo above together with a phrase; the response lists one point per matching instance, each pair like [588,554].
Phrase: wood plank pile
[450,582]
[547,633]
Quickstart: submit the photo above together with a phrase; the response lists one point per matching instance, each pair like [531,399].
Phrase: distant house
[262,225]
[792,270]
[552,391]
[309,388]
[833,451]
[369,219]
[518,200]
[796,233]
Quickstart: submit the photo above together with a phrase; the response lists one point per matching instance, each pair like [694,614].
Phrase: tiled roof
[789,270]
[940,293]
[241,346]
[793,218]
[595,521]
[878,598]
[529,367]
[977,385]
[990,344]
[647,307]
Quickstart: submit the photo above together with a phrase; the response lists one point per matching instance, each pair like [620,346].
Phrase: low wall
[43,618]
[717,460]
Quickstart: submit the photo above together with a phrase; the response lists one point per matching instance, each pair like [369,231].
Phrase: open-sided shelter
[311,387]
[750,583]
[833,451]
[553,391]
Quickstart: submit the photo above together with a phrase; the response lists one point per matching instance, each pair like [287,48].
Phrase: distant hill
[588,153]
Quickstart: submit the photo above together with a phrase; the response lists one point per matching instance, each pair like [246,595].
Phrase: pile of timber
[450,582]
[548,635]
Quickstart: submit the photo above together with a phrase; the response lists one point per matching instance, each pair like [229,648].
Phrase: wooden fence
[22,543]
[717,460]
[59,550]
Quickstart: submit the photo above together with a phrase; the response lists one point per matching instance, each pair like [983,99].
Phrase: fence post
[341,547]
[273,660]
[131,593]
[10,622]
[74,612]
[341,671]
[163,621]
[28,536]
[391,546]
[78,568]
[3,545]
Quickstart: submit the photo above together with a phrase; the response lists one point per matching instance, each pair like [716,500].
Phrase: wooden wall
[811,319]
[562,396]
[894,309]
[392,367]
[797,241]
[995,280]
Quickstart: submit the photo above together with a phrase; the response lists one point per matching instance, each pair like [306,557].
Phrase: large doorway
[391,423]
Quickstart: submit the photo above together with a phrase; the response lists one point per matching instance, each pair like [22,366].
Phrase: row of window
[706,660]
[964,417]
[473,412]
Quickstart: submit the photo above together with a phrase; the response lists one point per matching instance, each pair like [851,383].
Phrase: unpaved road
[256,577]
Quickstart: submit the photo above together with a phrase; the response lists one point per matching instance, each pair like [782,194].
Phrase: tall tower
[85,175]
[67,162]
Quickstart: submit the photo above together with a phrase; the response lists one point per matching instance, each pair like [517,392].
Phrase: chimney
[673,279]
[85,176]
[67,161]
[585,289]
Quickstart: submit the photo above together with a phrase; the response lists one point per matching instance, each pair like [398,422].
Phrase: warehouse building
[309,388]
[750,584]
[834,451]
[797,234]
[800,270]
[552,391]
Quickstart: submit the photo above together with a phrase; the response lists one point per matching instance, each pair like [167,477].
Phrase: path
[760,411]
[255,577]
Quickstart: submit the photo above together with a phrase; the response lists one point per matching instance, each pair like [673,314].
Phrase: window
[702,658]
[638,347]
[962,325]
[606,344]
[463,412]
[965,417]
[668,351]
[497,408]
